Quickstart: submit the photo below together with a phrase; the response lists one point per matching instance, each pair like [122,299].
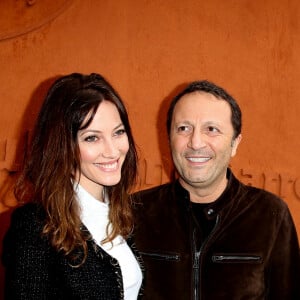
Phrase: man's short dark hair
[209,87]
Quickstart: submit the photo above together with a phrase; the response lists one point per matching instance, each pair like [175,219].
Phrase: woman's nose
[109,149]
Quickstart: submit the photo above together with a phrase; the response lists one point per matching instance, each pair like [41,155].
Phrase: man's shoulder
[265,198]
[154,190]
[154,194]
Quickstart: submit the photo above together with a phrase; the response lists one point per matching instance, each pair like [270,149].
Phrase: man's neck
[202,194]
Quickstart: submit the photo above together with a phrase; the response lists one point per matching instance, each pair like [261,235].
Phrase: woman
[69,242]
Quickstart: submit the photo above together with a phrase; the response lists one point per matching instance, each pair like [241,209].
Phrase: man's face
[201,140]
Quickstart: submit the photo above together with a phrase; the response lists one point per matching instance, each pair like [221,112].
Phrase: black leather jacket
[251,253]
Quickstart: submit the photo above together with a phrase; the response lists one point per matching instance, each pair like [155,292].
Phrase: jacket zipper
[196,264]
[243,258]
[196,274]
[169,257]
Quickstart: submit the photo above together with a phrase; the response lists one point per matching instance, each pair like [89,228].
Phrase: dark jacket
[251,253]
[34,270]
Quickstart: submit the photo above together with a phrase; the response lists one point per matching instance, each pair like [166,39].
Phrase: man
[206,235]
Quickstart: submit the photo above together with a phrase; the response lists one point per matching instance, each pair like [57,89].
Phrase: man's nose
[197,140]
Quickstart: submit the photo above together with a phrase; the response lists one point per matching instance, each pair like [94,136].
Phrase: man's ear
[234,144]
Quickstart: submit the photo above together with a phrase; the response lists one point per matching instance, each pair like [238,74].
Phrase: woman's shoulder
[28,210]
[29,215]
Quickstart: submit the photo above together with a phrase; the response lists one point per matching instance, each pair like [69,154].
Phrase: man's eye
[212,129]
[91,138]
[184,129]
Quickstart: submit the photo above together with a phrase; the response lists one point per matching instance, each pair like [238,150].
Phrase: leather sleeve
[284,267]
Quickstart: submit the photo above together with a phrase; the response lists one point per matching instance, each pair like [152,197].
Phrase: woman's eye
[91,138]
[120,131]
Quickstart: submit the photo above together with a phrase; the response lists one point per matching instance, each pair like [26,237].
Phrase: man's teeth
[198,159]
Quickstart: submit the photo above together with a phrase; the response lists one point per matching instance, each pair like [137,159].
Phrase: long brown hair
[53,157]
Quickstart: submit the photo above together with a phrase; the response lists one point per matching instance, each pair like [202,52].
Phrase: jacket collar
[214,208]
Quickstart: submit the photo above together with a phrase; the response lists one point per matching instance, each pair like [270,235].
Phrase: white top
[94,215]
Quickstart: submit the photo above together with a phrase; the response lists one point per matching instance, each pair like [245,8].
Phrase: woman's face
[103,146]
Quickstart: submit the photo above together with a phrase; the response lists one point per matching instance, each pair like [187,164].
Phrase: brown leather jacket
[251,253]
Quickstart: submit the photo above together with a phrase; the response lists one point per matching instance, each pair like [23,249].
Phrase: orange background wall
[147,49]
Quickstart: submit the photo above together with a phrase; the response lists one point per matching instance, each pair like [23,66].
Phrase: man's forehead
[198,102]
